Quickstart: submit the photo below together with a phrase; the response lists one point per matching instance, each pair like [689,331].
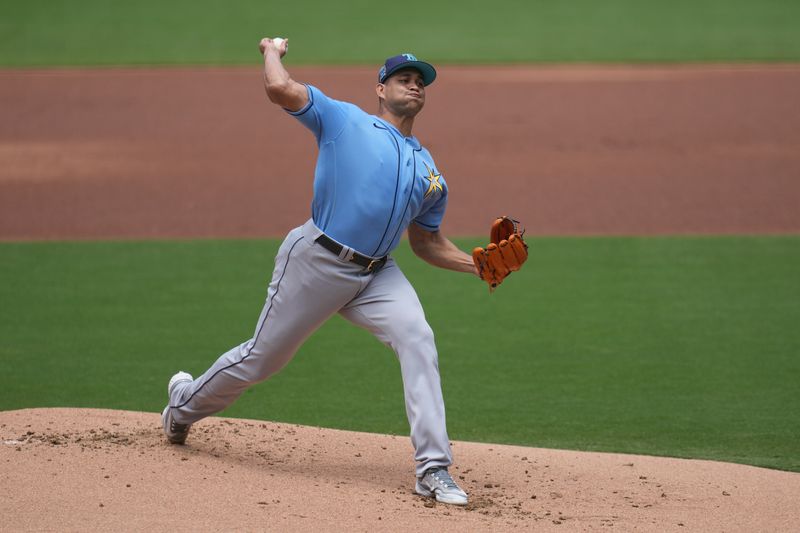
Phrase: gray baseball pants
[310,284]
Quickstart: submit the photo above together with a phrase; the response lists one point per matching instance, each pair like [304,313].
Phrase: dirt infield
[569,150]
[82,470]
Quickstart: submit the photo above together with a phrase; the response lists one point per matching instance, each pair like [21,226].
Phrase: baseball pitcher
[373,182]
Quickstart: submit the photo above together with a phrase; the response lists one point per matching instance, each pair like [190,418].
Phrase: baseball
[279,42]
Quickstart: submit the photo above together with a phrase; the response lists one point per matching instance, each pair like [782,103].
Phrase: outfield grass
[671,346]
[113,32]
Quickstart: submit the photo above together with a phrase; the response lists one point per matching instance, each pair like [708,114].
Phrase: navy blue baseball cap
[393,64]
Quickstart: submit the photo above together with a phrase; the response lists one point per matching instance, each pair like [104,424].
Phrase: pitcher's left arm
[438,250]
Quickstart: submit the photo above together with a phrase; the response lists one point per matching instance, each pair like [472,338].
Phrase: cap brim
[426,69]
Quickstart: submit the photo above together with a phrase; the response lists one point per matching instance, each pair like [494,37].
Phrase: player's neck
[403,123]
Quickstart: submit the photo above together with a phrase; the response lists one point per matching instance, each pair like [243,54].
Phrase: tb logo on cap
[410,57]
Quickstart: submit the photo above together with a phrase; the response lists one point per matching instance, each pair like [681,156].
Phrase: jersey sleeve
[431,219]
[324,116]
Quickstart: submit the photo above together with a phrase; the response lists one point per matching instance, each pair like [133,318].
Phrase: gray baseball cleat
[437,482]
[176,433]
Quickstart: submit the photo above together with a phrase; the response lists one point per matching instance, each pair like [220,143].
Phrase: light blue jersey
[370,182]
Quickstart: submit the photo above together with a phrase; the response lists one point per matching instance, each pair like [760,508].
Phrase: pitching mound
[88,469]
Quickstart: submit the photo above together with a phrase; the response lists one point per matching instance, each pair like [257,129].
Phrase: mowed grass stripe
[111,32]
[671,346]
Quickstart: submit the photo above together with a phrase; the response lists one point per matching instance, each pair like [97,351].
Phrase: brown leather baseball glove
[505,253]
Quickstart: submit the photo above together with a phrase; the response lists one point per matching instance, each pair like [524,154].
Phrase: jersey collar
[411,140]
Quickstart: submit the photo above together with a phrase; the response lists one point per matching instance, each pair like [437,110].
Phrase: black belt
[369,264]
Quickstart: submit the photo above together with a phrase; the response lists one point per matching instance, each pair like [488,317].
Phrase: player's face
[404,92]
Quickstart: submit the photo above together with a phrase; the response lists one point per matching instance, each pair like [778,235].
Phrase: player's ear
[380,90]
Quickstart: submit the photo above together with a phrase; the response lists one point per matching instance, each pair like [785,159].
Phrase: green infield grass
[113,32]
[686,347]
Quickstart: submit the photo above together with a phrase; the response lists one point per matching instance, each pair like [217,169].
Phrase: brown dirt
[568,150]
[135,153]
[84,469]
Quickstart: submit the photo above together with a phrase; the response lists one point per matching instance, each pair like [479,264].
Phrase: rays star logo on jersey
[433,181]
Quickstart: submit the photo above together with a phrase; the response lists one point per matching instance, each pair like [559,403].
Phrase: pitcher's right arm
[280,87]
